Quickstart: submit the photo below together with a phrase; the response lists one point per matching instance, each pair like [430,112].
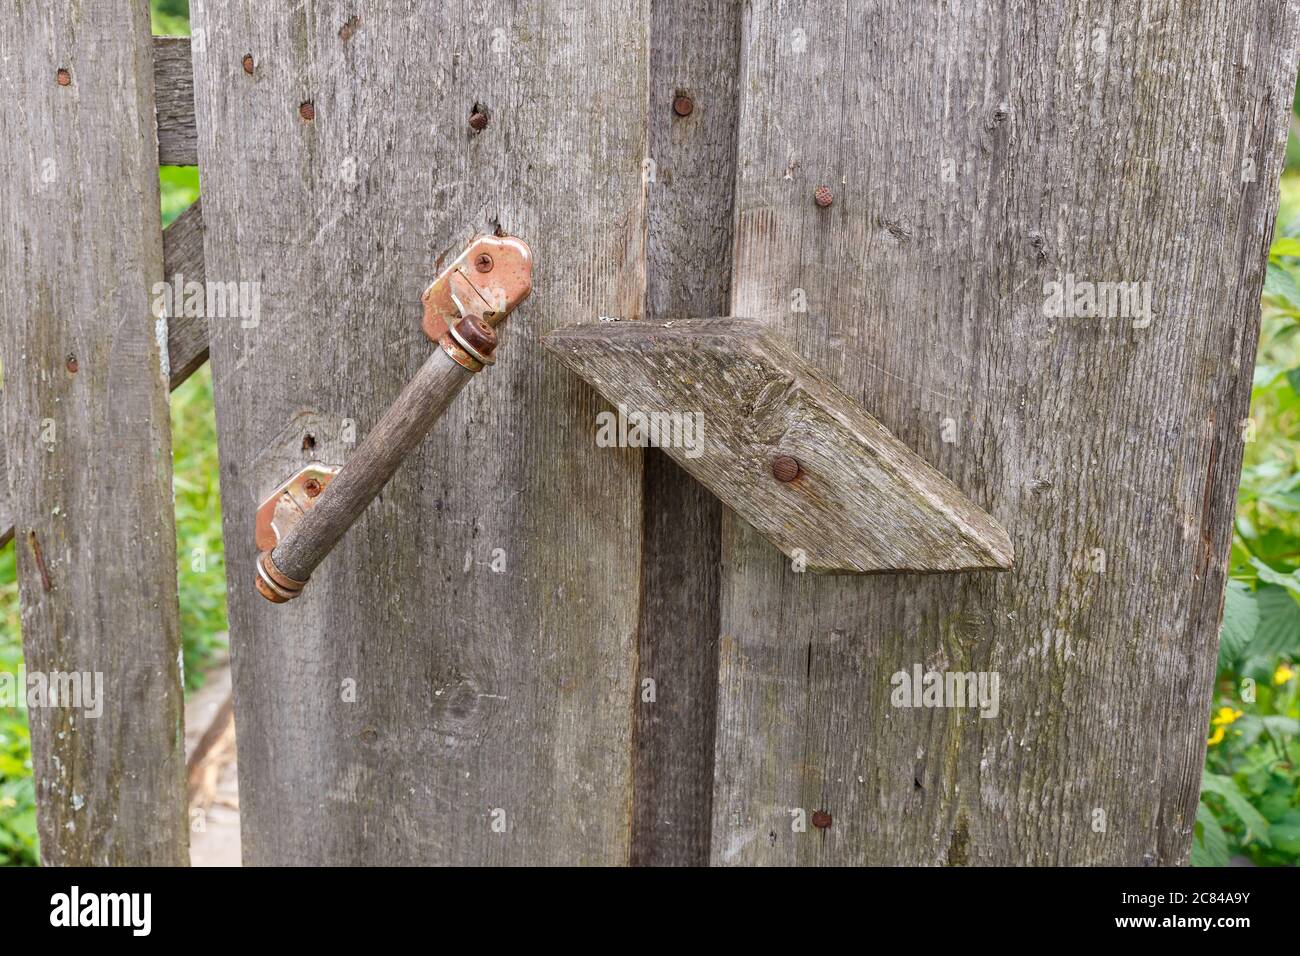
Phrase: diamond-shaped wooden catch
[783,446]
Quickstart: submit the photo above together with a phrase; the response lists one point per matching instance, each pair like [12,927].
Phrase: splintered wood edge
[976,541]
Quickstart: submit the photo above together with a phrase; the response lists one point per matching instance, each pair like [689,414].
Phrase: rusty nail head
[248,63]
[307,110]
[823,196]
[64,77]
[821,819]
[312,487]
[785,468]
[683,105]
[72,364]
[483,262]
[477,120]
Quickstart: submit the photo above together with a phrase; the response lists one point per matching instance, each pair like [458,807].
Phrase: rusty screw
[307,110]
[72,364]
[785,468]
[683,105]
[483,262]
[63,77]
[248,63]
[823,196]
[478,121]
[312,487]
[821,819]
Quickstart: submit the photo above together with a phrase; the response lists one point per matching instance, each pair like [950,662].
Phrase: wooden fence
[534,650]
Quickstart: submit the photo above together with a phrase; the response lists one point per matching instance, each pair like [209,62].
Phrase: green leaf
[1286,833]
[1278,629]
[1284,246]
[1209,843]
[1240,621]
[1243,809]
[1287,580]
[1281,285]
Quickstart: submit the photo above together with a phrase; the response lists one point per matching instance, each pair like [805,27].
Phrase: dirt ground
[214,809]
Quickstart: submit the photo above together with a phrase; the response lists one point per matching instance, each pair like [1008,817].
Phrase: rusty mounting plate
[285,508]
[488,280]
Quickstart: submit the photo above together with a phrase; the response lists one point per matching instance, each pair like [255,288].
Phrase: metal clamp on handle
[300,524]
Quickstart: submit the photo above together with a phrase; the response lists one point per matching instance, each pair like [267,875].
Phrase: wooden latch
[784,447]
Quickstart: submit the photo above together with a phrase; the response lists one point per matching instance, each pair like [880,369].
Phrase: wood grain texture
[496,673]
[399,430]
[976,152]
[688,253]
[725,398]
[187,336]
[86,425]
[174,101]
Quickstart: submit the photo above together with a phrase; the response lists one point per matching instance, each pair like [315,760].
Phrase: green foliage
[18,845]
[170,17]
[201,578]
[179,187]
[1250,792]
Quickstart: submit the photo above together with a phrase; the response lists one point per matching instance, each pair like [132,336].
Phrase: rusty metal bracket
[277,515]
[487,281]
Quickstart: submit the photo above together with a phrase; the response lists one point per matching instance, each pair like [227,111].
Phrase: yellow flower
[1218,736]
[1225,716]
[1283,674]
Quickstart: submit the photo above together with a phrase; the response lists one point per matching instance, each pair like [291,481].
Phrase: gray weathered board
[492,681]
[688,253]
[174,101]
[86,426]
[976,152]
[182,240]
[726,398]
[187,335]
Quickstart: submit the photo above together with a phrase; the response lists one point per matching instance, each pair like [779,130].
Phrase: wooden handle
[401,428]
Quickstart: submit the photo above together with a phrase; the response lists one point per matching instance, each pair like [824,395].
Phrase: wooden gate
[531,649]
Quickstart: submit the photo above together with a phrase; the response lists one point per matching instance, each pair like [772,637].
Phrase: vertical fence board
[85,407]
[486,604]
[688,252]
[976,152]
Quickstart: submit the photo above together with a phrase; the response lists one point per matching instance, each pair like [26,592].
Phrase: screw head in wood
[785,468]
[683,105]
[248,63]
[307,110]
[63,77]
[821,819]
[823,196]
[478,121]
[483,262]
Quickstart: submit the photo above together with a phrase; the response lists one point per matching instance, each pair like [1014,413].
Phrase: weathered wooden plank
[492,682]
[87,427]
[187,336]
[174,100]
[781,446]
[977,152]
[688,253]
